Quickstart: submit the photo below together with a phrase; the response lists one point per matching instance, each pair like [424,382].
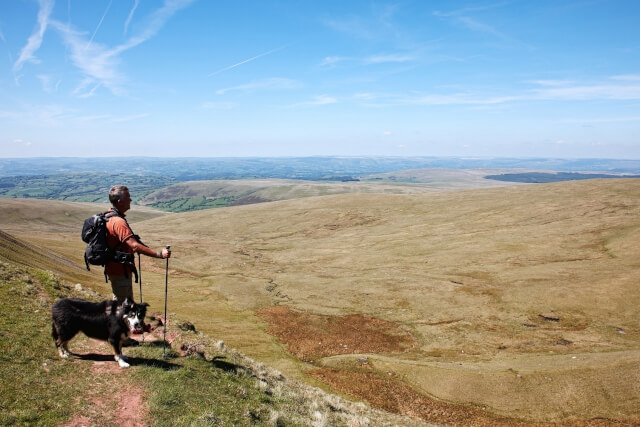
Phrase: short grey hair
[115,194]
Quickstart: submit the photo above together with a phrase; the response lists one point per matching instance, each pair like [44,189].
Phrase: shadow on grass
[224,365]
[132,360]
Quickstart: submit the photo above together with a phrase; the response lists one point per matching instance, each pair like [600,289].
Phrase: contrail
[248,60]
[128,21]
[99,24]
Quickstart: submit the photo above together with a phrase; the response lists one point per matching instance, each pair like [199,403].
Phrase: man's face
[125,202]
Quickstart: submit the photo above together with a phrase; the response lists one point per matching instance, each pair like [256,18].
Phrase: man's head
[120,198]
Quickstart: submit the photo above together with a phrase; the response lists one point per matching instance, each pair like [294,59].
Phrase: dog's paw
[122,362]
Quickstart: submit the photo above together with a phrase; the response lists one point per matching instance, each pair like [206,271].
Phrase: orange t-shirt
[117,233]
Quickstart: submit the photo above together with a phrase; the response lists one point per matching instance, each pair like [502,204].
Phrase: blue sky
[301,78]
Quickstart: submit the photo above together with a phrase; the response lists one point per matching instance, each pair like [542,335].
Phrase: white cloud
[47,83]
[589,92]
[264,84]
[627,77]
[100,62]
[130,117]
[332,60]
[322,100]
[379,59]
[130,16]
[616,88]
[219,105]
[316,100]
[35,40]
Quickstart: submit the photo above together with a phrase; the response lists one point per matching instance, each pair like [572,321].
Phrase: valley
[519,300]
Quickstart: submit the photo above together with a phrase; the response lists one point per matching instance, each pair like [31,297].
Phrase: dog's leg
[61,345]
[116,344]
[63,350]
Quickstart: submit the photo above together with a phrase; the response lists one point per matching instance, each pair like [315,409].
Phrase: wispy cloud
[388,58]
[130,16]
[35,40]
[616,89]
[354,26]
[99,62]
[253,58]
[48,84]
[130,118]
[613,88]
[22,142]
[263,84]
[331,61]
[462,18]
[456,99]
[477,26]
[209,105]
[618,119]
[627,77]
[318,100]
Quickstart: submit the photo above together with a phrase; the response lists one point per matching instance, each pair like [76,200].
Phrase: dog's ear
[144,304]
[127,303]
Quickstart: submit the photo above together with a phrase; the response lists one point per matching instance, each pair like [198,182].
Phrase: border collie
[107,321]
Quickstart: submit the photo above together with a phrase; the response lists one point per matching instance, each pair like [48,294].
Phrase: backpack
[98,252]
[94,234]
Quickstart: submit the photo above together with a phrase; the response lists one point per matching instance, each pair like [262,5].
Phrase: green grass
[188,391]
[209,387]
[32,387]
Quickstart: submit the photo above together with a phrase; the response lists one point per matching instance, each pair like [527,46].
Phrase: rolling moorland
[89,179]
[519,302]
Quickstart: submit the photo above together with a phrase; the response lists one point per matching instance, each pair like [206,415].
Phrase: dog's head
[133,314]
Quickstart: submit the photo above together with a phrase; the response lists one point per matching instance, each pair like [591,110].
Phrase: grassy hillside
[520,301]
[196,195]
[198,381]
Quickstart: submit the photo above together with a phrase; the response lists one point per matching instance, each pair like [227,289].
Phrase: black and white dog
[107,321]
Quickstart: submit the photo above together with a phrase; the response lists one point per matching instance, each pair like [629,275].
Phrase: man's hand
[166,253]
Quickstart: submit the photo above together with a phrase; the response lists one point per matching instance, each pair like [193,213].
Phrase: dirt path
[114,400]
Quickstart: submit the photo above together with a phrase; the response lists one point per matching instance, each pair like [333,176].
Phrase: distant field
[519,300]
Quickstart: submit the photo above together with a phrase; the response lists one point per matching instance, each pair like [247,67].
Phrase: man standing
[121,237]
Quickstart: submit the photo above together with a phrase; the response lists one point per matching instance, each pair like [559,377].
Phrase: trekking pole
[140,276]
[140,282]
[166,289]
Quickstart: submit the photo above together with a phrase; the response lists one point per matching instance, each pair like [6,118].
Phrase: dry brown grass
[521,299]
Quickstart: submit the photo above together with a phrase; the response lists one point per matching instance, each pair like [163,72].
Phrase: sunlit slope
[35,215]
[46,234]
[15,250]
[242,192]
[524,277]
[566,244]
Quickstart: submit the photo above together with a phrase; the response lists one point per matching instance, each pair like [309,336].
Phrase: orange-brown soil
[310,336]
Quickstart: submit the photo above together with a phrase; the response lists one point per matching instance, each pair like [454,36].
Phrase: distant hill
[196,195]
[311,168]
[89,179]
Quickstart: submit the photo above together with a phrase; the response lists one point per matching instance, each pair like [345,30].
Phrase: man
[121,237]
